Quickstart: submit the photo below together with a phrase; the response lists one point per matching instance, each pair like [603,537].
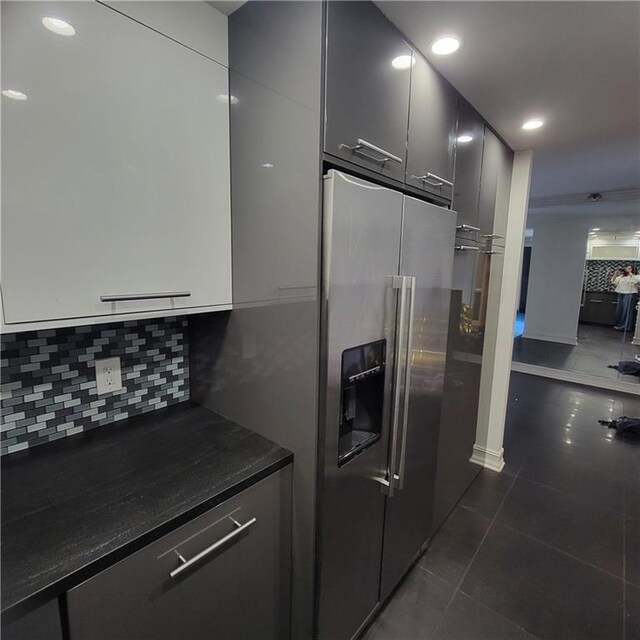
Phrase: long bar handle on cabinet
[145,296]
[411,281]
[464,247]
[239,529]
[467,227]
[398,283]
[434,180]
[363,144]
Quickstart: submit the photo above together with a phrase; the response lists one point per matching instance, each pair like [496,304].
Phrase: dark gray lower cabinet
[599,307]
[42,623]
[240,590]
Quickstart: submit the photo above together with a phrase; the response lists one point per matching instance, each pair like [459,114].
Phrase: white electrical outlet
[108,375]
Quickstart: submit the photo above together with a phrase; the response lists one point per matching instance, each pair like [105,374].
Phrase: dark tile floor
[598,346]
[549,549]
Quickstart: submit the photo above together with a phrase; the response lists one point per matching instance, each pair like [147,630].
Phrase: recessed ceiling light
[14,95]
[445,45]
[58,26]
[267,165]
[227,98]
[403,62]
[465,138]
[595,229]
[535,123]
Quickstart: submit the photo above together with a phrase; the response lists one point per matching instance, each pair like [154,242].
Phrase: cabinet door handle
[467,227]
[434,180]
[239,529]
[464,247]
[363,144]
[145,296]
[491,235]
[596,301]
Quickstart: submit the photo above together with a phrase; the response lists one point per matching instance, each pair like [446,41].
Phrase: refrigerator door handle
[397,282]
[411,282]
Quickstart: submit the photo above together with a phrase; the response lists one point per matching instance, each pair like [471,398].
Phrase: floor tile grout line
[564,553]
[569,495]
[464,574]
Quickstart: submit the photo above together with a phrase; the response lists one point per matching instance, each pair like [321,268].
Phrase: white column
[502,306]
[636,335]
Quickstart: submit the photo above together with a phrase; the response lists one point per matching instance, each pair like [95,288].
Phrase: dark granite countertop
[74,507]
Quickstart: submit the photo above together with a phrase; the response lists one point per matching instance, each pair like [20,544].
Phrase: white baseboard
[579,378]
[548,337]
[486,458]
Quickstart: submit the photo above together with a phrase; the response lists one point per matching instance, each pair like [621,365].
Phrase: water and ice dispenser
[362,397]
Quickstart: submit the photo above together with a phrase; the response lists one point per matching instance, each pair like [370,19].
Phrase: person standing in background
[626,283]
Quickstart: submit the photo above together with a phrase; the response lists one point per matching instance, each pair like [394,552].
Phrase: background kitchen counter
[72,508]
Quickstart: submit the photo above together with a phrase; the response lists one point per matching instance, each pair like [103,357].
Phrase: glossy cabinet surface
[366,97]
[240,590]
[468,167]
[433,117]
[117,179]
[599,307]
[491,167]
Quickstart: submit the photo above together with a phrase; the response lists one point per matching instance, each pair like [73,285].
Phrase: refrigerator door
[427,261]
[362,227]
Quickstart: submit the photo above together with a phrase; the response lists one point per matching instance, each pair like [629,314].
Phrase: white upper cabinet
[115,168]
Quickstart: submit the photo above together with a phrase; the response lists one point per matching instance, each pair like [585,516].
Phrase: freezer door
[427,262]
[362,227]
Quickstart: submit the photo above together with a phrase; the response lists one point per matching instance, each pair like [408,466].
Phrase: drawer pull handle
[434,180]
[467,227]
[239,528]
[464,247]
[145,296]
[363,144]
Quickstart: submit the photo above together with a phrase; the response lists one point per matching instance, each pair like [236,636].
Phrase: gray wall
[258,364]
[555,281]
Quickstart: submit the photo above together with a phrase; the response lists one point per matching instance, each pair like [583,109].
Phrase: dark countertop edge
[58,588]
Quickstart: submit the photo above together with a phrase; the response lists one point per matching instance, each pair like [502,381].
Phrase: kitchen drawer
[241,590]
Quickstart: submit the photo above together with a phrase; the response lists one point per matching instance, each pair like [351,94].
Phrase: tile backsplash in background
[48,386]
[598,273]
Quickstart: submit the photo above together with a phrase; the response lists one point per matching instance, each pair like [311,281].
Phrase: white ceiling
[576,64]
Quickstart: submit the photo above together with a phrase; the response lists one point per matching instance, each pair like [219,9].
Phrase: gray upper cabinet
[433,117]
[368,69]
[468,168]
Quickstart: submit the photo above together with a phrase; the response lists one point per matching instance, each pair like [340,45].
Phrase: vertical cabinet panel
[239,591]
[468,166]
[433,119]
[491,167]
[117,181]
[366,96]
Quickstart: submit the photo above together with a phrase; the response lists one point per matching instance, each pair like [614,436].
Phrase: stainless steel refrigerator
[387,268]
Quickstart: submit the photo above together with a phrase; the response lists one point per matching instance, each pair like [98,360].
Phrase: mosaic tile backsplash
[48,386]
[598,273]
